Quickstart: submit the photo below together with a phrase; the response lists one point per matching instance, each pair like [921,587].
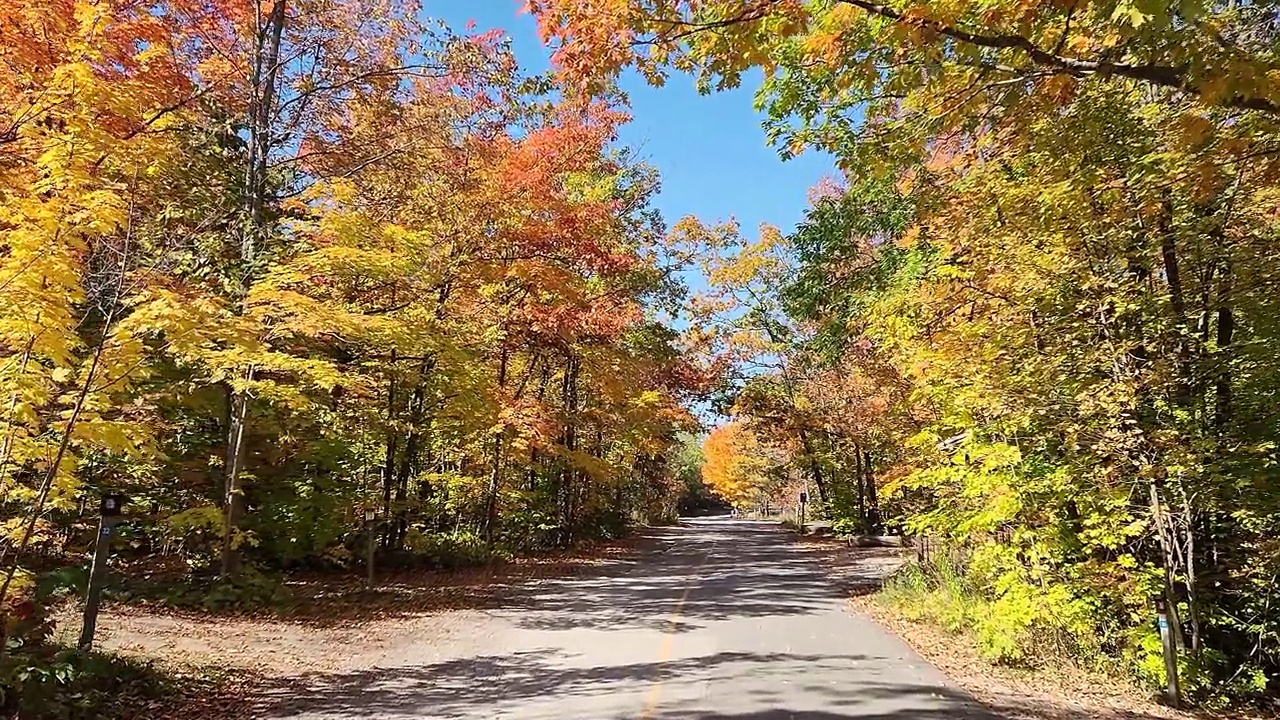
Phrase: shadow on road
[751,627]
[481,687]
[733,579]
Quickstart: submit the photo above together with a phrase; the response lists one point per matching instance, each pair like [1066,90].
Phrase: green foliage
[845,527]
[64,684]
[245,591]
[1013,621]
[449,551]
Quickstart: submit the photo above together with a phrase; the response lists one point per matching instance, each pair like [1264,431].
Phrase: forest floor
[1058,692]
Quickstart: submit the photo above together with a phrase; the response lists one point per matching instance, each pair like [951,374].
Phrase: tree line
[1037,309]
[306,279]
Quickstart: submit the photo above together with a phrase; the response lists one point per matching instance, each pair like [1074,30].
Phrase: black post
[804,499]
[110,508]
[1173,693]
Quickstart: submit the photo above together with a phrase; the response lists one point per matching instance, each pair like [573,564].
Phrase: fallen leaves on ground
[218,662]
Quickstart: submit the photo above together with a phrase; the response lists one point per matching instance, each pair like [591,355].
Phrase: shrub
[249,589]
[68,684]
[449,551]
[1012,621]
[846,527]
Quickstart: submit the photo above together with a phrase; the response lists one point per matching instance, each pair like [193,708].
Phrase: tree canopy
[1035,307]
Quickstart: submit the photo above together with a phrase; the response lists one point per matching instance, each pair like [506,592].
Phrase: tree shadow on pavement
[544,684]
[329,600]
[754,580]
[684,582]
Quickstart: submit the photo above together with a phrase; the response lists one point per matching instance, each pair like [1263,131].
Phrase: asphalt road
[723,620]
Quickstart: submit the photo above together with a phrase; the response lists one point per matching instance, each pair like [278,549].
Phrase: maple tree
[736,468]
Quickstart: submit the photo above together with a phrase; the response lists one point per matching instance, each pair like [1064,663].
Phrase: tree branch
[1169,76]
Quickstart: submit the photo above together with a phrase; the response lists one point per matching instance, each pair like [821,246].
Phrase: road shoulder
[1045,693]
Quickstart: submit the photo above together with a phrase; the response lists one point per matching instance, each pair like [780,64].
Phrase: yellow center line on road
[668,639]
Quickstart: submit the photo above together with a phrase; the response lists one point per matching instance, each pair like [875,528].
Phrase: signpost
[804,499]
[110,509]
[1173,693]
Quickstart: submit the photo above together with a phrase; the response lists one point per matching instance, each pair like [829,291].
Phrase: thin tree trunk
[1224,337]
[873,500]
[815,468]
[1164,532]
[393,440]
[1189,556]
[570,441]
[495,471]
[265,80]
[862,497]
[1178,305]
[408,462]
[233,492]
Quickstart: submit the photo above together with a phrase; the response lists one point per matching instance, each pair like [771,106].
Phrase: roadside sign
[804,497]
[112,504]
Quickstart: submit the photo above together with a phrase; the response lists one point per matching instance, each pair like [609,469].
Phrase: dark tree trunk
[873,500]
[858,481]
[815,468]
[1225,336]
[568,475]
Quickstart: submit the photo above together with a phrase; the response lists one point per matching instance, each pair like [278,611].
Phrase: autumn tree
[1039,280]
[305,281]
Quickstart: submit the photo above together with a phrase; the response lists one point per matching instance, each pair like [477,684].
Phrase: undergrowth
[58,683]
[1018,623]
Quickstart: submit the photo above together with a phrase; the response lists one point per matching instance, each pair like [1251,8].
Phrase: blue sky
[710,149]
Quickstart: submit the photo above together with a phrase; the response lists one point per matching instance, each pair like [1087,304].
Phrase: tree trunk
[1164,532]
[815,468]
[1178,305]
[389,461]
[1225,336]
[233,493]
[569,400]
[408,464]
[873,500]
[495,472]
[265,79]
[862,497]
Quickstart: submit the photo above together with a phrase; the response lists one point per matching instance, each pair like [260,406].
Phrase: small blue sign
[1163,622]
